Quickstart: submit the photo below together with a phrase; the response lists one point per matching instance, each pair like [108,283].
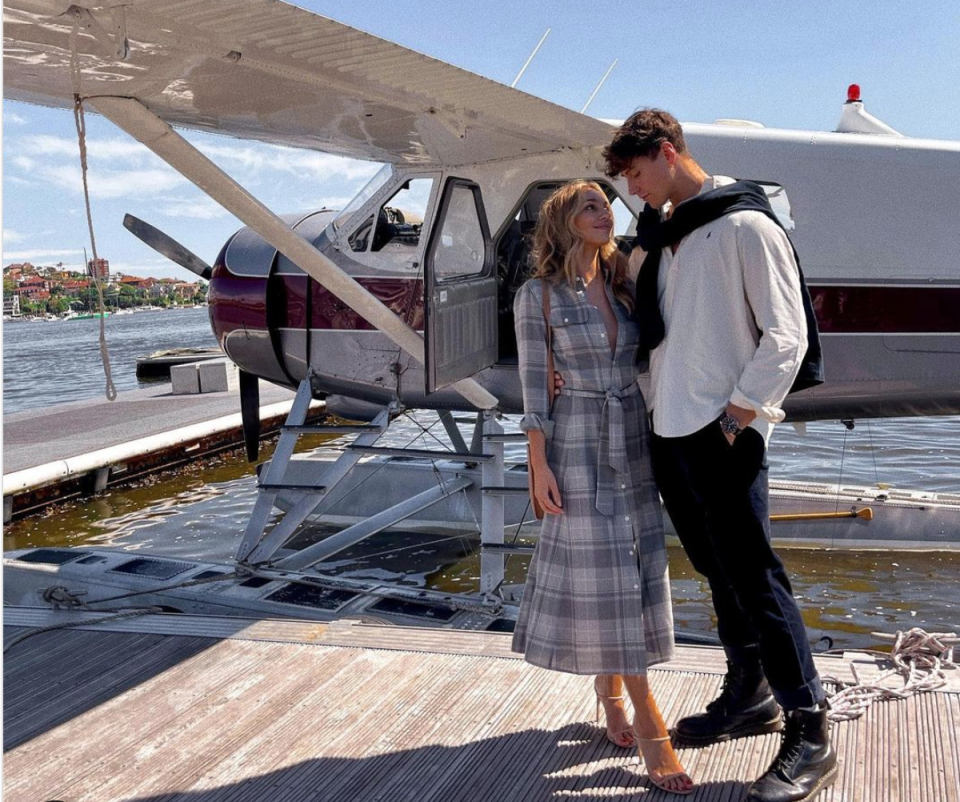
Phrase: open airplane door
[460,289]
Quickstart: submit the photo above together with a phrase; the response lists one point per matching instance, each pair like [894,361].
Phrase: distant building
[99,269]
[11,306]
[16,271]
[75,288]
[33,285]
[35,294]
[136,282]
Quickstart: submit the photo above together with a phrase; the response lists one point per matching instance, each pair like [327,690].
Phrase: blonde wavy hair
[556,243]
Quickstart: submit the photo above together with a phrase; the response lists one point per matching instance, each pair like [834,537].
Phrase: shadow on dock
[272,711]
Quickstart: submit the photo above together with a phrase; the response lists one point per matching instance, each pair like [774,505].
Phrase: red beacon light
[853,93]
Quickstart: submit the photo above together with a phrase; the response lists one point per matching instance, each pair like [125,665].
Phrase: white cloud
[41,253]
[201,208]
[97,149]
[305,164]
[112,184]
[13,117]
[24,162]
[10,236]
[48,145]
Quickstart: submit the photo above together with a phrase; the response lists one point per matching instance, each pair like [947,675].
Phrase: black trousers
[717,496]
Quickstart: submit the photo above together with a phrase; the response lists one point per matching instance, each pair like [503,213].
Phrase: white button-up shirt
[735,326]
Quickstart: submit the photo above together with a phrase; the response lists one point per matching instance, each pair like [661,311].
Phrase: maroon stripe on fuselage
[850,309]
[404,297]
[886,310]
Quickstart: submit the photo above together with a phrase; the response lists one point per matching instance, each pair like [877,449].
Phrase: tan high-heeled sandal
[625,739]
[660,780]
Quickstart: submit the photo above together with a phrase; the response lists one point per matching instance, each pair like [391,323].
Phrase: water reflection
[200,511]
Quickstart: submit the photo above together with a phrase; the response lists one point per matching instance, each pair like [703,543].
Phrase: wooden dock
[197,709]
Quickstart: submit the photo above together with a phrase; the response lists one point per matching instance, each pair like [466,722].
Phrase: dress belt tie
[613,446]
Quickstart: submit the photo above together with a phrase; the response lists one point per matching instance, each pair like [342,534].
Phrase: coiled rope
[60,597]
[920,660]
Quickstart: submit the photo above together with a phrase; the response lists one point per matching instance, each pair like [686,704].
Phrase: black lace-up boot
[744,707]
[805,764]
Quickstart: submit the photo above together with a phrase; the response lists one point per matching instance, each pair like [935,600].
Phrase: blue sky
[785,65]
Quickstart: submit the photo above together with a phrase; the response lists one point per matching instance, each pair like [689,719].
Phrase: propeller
[167,246]
[250,413]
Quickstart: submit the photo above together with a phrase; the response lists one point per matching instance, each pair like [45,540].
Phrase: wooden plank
[203,734]
[238,720]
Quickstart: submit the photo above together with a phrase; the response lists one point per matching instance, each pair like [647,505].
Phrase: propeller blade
[165,245]
[250,413]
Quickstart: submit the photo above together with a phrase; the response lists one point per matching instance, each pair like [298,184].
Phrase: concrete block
[185,379]
[218,376]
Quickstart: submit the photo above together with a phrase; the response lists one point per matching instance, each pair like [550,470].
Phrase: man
[722,312]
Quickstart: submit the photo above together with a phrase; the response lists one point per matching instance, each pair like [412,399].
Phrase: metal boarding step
[512,437]
[457,456]
[286,486]
[260,547]
[320,428]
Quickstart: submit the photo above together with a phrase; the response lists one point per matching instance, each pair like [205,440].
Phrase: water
[55,362]
[200,511]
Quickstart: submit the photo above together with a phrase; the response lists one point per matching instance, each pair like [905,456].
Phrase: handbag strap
[549,340]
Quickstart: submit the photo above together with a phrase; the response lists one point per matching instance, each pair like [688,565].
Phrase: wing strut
[144,126]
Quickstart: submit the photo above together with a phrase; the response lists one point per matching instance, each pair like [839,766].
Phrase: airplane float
[403,299]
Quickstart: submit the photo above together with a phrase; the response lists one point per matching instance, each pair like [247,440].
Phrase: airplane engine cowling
[238,312]
[256,299]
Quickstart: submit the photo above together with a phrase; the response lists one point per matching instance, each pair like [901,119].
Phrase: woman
[597,597]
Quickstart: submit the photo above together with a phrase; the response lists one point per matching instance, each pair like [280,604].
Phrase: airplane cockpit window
[460,250]
[398,222]
[513,254]
[371,188]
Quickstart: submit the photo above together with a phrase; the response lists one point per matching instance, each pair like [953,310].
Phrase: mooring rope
[920,659]
[81,125]
[60,597]
[131,613]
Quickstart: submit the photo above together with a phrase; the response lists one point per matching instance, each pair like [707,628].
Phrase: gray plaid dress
[597,597]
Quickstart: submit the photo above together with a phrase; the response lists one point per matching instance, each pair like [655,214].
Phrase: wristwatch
[730,425]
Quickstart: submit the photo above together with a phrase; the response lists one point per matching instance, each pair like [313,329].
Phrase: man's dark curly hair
[641,135]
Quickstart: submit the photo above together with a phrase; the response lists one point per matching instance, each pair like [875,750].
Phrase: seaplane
[402,300]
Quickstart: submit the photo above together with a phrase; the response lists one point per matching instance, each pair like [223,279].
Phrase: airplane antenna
[524,67]
[607,75]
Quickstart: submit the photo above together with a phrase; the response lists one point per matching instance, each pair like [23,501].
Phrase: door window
[460,247]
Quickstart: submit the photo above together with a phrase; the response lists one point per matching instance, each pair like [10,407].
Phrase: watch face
[730,425]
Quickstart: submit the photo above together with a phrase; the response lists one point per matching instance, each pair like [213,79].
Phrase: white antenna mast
[524,67]
[599,85]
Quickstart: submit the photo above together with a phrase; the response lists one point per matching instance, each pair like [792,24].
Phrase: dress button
[626,517]
[603,336]
[636,587]
[566,320]
[623,487]
[631,551]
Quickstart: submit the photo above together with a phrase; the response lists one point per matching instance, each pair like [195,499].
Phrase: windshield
[373,186]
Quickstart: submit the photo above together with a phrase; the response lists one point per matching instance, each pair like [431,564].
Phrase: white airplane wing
[267,70]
